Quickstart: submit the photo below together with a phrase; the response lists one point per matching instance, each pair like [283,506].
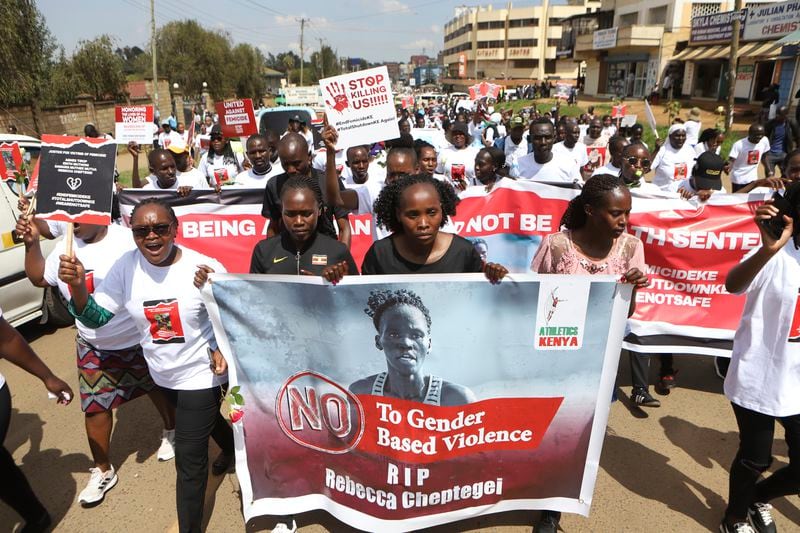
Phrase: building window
[497,24]
[629,19]
[483,25]
[701,10]
[657,15]
[553,42]
[526,63]
[522,23]
[482,45]
[522,43]
[555,22]
[549,66]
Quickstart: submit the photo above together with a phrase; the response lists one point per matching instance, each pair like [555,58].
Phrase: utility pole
[302,47]
[737,24]
[153,53]
[321,60]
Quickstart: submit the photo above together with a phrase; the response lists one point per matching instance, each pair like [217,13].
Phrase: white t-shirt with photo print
[764,374]
[672,166]
[98,258]
[746,157]
[169,312]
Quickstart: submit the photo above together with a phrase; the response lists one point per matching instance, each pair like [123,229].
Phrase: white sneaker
[283,528]
[167,449]
[99,484]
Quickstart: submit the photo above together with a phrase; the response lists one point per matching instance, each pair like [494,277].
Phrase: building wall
[70,119]
[499,61]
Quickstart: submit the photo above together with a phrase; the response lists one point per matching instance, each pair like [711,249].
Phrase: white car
[20,301]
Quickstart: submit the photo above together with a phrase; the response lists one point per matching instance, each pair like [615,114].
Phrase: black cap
[707,171]
[216,129]
[296,118]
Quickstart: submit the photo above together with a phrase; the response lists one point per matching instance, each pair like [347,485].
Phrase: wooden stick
[69,239]
[31,206]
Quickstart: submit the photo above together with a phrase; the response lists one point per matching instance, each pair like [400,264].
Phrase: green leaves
[234,397]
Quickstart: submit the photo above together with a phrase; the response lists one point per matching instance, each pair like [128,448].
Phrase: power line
[265,8]
[398,10]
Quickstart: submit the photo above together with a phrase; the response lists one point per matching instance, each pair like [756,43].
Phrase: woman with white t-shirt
[220,164]
[763,380]
[674,160]
[155,285]
[457,161]
[111,367]
[14,487]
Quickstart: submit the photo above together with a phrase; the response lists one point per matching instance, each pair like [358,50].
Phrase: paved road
[664,472]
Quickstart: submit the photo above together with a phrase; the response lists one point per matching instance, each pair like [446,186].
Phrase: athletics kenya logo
[316,412]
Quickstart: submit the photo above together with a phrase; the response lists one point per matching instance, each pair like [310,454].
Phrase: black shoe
[39,525]
[222,463]
[548,523]
[666,383]
[738,527]
[642,397]
[760,518]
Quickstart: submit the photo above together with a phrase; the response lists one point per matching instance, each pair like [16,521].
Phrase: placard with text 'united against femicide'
[361,107]
[76,179]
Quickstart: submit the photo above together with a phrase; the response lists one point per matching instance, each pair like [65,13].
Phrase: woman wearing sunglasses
[220,165]
[635,165]
[156,285]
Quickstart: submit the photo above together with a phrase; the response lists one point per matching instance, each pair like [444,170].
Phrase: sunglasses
[162,230]
[634,160]
[217,137]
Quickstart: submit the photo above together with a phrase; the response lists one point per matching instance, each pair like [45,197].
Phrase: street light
[175,85]
[205,85]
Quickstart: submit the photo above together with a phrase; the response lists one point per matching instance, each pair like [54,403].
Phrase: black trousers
[640,368]
[14,487]
[197,418]
[756,433]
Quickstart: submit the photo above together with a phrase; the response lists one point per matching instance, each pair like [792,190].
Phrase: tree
[26,50]
[246,71]
[129,56]
[63,87]
[98,69]
[190,55]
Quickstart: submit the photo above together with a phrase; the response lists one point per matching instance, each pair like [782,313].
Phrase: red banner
[689,248]
[237,117]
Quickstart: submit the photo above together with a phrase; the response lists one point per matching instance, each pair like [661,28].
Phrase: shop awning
[770,49]
[792,38]
[688,54]
[713,52]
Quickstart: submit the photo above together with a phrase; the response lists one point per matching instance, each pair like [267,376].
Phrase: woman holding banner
[157,285]
[594,241]
[111,367]
[763,377]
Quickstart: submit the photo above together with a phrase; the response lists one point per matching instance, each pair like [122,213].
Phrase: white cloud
[435,28]
[394,6]
[418,45]
[294,20]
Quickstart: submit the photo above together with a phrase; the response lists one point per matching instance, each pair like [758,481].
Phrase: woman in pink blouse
[593,241]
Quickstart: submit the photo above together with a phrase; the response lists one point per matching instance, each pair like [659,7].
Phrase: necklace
[592,268]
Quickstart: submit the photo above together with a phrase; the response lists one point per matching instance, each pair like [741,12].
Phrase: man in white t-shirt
[514,145]
[168,135]
[674,160]
[457,162]
[635,164]
[258,152]
[186,173]
[572,146]
[616,145]
[745,155]
[596,145]
[542,164]
[164,175]
[706,178]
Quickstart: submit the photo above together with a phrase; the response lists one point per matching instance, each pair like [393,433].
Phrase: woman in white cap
[674,160]
[693,126]
[457,161]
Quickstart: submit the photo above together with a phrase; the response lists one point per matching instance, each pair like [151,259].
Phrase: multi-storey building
[514,43]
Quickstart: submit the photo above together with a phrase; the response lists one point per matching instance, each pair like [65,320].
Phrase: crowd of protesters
[129,309]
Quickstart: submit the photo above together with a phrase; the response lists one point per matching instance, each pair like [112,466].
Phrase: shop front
[626,75]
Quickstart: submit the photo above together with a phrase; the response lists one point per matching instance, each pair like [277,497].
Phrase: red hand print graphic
[337,92]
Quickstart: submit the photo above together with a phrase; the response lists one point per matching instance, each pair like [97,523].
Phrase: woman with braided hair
[403,326]
[594,241]
[415,208]
[307,242]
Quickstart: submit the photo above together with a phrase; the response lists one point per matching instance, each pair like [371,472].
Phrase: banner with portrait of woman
[402,402]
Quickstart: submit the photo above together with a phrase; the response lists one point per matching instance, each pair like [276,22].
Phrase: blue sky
[377,30]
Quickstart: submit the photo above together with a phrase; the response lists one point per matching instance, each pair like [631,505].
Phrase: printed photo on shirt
[752,157]
[681,171]
[794,331]
[221,175]
[165,321]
